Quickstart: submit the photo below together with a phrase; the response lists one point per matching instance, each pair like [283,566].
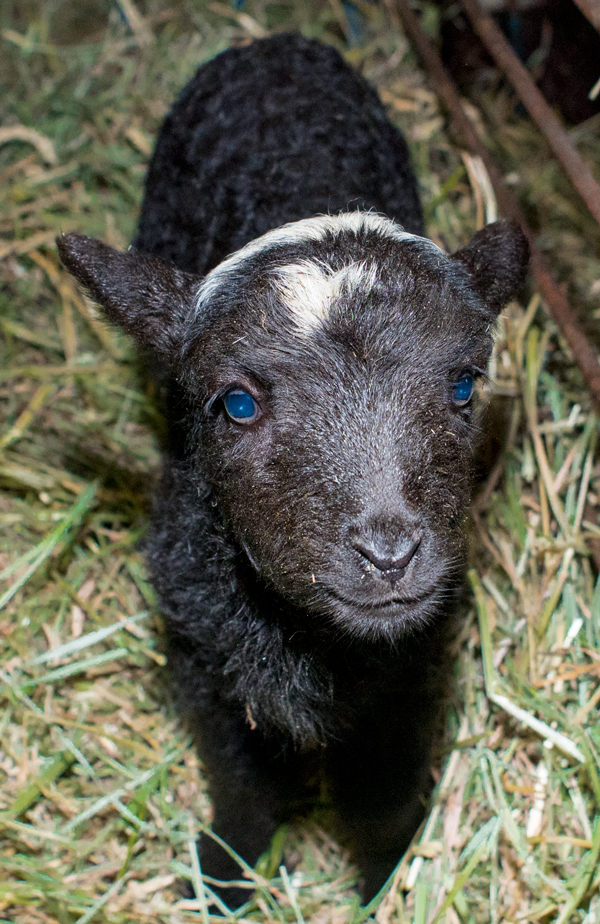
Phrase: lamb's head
[331,367]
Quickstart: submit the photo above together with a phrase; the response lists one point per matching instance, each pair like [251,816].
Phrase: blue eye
[462,389]
[240,406]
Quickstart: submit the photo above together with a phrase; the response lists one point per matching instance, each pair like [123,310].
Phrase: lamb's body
[308,557]
[253,143]
[264,135]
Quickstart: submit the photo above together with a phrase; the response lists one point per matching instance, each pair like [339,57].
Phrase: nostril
[388,565]
[382,564]
[402,561]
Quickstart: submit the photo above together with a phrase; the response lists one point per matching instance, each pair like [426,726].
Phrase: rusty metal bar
[591,10]
[584,353]
[573,164]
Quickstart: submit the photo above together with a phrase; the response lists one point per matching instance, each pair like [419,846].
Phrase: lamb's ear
[144,296]
[496,259]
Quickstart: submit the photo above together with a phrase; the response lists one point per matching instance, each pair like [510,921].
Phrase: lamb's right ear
[144,296]
[496,260]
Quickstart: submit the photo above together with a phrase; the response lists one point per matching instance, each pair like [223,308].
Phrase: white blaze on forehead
[307,289]
[298,232]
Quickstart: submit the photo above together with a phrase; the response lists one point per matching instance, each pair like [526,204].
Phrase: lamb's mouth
[368,606]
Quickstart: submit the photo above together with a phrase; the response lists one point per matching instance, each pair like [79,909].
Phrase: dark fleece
[279,130]
[253,142]
[293,664]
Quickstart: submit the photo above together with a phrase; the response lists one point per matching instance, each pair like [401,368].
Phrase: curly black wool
[263,135]
[307,541]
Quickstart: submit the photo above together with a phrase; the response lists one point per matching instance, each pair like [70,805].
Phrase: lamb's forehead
[307,286]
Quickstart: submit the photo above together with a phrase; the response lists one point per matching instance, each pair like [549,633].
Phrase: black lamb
[307,541]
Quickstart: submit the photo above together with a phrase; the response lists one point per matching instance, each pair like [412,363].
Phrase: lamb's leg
[246,818]
[381,782]
[255,786]
[247,828]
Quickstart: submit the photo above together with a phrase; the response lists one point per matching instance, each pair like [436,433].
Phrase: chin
[390,620]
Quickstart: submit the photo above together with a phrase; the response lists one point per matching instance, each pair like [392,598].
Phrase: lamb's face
[331,364]
[336,384]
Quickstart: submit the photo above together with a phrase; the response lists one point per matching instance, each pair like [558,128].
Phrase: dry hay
[101,793]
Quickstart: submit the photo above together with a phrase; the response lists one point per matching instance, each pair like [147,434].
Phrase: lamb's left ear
[144,296]
[496,259]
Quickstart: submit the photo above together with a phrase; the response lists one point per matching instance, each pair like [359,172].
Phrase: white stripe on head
[307,289]
[298,232]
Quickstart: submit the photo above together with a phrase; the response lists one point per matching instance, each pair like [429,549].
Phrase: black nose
[392,566]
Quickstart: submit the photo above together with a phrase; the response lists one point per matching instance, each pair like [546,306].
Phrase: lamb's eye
[462,389]
[241,407]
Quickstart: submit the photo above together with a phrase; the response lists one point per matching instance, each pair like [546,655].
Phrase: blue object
[355,23]
[241,407]
[462,390]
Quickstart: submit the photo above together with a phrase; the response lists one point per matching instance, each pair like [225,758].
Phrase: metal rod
[540,111]
[584,353]
[591,10]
